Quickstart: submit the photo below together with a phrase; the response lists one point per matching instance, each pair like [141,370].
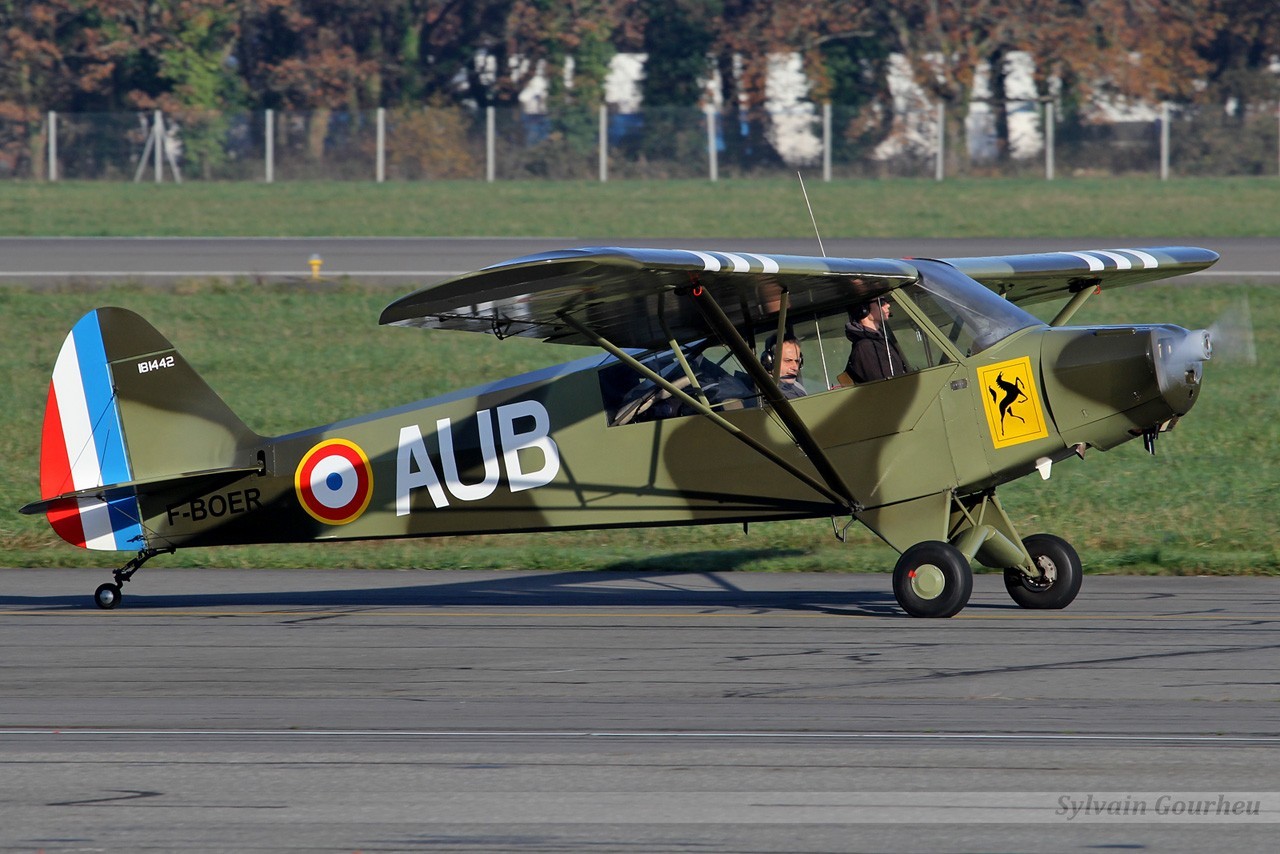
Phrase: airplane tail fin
[126,410]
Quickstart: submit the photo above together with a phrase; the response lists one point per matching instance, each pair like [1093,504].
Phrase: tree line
[183,56]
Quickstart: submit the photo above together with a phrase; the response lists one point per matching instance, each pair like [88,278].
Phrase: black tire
[1061,574]
[107,596]
[932,579]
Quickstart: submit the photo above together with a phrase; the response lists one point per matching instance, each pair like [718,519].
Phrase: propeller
[1231,335]
[1180,355]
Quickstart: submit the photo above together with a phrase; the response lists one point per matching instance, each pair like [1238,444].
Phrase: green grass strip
[286,359]
[773,207]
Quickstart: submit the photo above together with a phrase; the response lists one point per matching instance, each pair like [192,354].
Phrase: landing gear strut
[934,578]
[108,595]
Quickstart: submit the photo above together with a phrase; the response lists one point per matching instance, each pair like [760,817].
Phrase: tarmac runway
[410,261]
[541,711]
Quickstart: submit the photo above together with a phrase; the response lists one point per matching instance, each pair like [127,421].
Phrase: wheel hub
[928,581]
[1048,570]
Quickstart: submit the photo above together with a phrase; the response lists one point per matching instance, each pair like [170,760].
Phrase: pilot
[875,354]
[791,361]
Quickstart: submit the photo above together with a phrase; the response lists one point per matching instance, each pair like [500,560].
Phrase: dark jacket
[791,388]
[872,357]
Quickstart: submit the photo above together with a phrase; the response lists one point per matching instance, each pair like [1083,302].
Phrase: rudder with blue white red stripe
[126,415]
[83,446]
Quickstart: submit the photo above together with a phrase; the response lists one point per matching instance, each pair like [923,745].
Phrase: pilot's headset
[858,312]
[766,358]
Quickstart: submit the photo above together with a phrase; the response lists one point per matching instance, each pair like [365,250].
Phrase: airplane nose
[1179,356]
[1105,385]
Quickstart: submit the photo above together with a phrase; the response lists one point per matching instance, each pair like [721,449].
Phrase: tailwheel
[1059,574]
[932,579]
[107,596]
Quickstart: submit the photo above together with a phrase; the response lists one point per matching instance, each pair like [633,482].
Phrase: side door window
[630,398]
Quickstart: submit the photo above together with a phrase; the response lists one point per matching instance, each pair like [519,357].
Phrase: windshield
[968,313]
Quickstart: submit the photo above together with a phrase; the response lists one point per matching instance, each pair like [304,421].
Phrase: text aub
[415,468]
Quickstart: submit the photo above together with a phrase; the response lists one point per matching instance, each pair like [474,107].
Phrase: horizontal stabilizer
[209,480]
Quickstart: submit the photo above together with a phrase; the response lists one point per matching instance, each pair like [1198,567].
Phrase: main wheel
[107,596]
[932,579]
[1060,574]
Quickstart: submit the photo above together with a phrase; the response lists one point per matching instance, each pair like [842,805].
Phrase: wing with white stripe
[626,294]
[1055,275]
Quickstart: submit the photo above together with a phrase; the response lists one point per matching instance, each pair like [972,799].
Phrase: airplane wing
[625,295]
[1025,279]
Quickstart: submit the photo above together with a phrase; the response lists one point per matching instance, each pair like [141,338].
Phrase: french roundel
[334,482]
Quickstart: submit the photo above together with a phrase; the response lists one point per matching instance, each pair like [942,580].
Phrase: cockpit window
[969,314]
[631,399]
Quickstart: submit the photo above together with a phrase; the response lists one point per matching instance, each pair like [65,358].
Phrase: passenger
[874,355]
[791,361]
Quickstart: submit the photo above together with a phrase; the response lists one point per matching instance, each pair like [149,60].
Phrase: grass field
[1094,207]
[287,359]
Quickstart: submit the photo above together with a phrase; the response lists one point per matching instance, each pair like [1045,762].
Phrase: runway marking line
[745,613]
[638,734]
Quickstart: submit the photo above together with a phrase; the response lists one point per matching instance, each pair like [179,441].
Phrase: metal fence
[606,144]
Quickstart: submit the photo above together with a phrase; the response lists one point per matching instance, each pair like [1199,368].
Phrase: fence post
[157,132]
[826,141]
[146,151]
[940,168]
[53,146]
[604,143]
[490,145]
[711,144]
[380,167]
[1049,164]
[1164,141]
[271,145]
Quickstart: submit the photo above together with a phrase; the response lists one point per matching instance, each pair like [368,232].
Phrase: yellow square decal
[1012,403]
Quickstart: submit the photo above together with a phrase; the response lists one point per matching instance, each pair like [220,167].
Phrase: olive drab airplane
[912,390]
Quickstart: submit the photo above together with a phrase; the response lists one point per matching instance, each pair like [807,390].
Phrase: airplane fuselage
[538,452]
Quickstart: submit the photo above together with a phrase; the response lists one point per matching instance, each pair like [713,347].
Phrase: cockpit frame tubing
[722,326]
[701,408]
[678,350]
[784,303]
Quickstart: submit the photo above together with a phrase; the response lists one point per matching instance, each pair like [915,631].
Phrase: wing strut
[701,407]
[1069,310]
[720,323]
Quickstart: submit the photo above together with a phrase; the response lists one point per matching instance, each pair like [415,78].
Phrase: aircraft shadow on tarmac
[629,585]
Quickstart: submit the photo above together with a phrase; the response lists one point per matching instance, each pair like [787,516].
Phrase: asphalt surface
[419,261]
[483,711]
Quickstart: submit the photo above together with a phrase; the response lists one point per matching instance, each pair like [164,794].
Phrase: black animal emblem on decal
[1013,393]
